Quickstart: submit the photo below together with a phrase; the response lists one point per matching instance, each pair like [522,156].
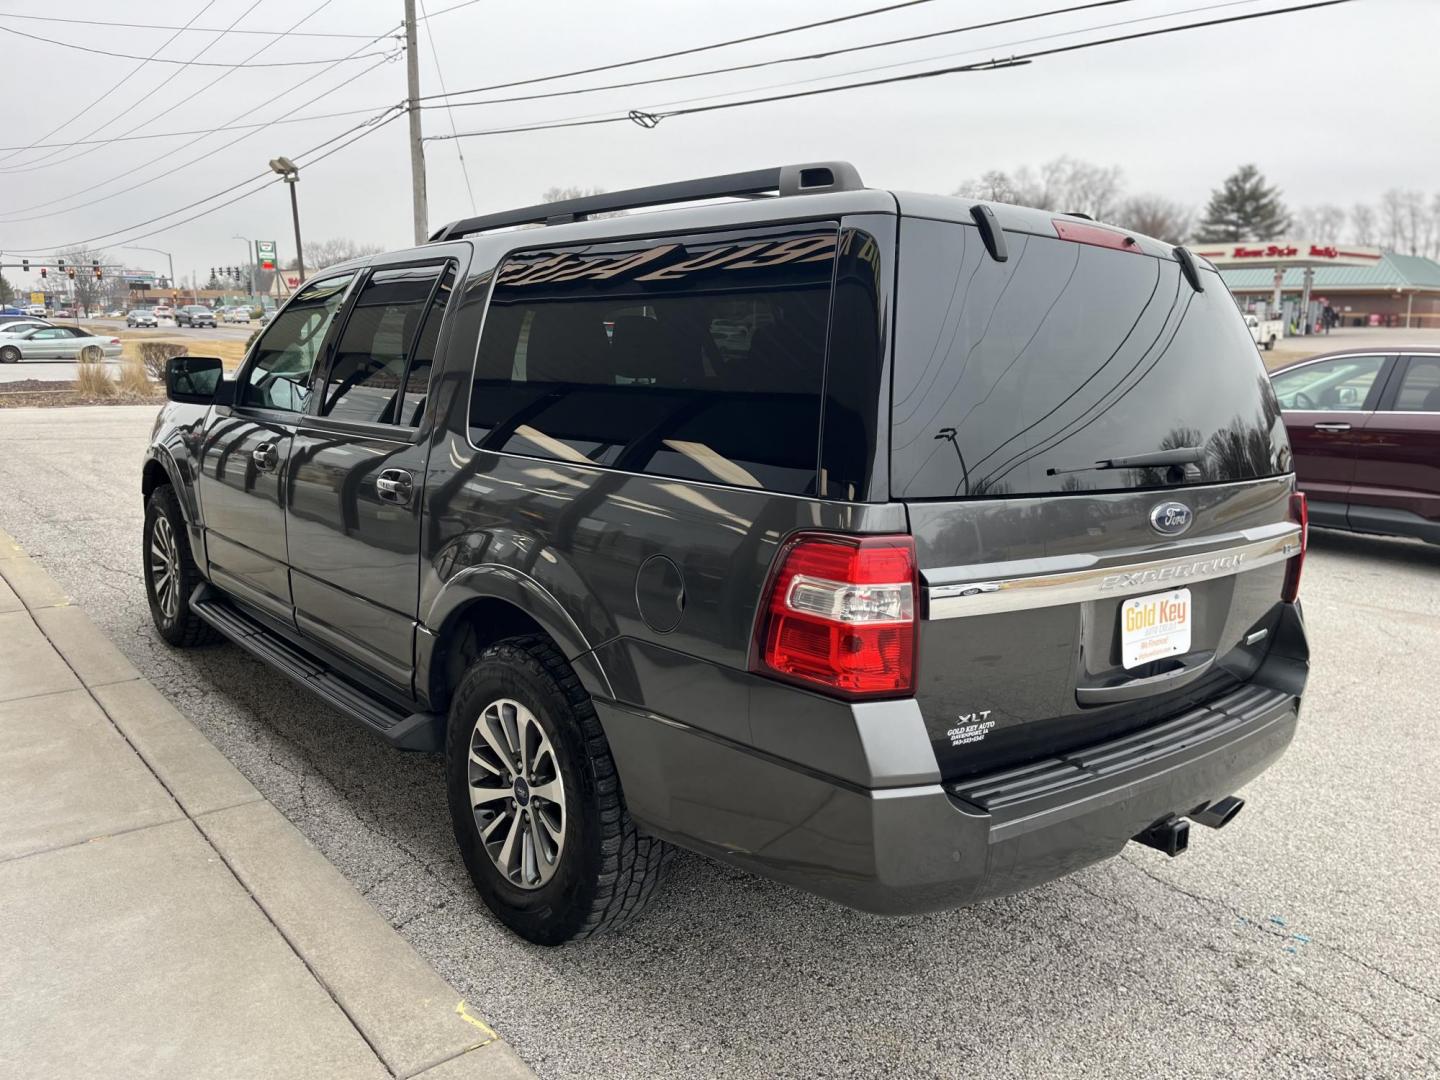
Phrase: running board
[405,731]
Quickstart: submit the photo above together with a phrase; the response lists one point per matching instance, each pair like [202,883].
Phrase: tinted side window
[1342,384]
[368,373]
[417,376]
[700,357]
[279,377]
[1420,389]
[1018,378]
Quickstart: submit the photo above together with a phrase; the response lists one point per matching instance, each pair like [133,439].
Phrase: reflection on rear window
[1013,378]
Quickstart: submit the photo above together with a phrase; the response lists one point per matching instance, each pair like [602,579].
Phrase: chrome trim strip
[1102,582]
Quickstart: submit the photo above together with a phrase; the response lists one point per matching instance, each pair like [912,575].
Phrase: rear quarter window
[700,358]
[1013,378]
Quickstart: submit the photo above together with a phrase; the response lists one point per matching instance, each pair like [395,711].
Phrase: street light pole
[249,264]
[168,258]
[290,173]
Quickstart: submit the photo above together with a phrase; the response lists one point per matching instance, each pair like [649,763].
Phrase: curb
[415,1022]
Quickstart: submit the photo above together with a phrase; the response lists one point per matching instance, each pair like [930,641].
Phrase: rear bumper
[923,848]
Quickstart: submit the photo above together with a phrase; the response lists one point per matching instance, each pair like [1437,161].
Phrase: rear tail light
[839,614]
[114,341]
[1300,514]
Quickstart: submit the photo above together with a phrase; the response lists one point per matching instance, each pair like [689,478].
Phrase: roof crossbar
[784,180]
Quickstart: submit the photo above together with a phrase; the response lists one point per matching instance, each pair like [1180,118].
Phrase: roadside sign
[37,298]
[265,254]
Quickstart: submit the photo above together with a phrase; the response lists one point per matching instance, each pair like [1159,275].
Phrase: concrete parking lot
[1297,943]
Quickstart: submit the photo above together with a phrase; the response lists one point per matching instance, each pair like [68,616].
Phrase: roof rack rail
[784,180]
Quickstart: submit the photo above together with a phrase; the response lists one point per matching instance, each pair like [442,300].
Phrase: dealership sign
[1288,253]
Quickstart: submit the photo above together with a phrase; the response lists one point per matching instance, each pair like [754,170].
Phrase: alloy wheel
[517,793]
[164,565]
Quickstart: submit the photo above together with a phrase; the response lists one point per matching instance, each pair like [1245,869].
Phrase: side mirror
[193,380]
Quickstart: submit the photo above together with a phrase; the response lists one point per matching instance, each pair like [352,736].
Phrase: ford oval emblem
[1171,518]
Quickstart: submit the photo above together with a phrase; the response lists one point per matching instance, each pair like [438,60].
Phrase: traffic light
[70,272]
[213,275]
[99,274]
[60,264]
[44,273]
[25,265]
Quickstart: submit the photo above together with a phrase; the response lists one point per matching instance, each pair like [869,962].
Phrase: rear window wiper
[1183,455]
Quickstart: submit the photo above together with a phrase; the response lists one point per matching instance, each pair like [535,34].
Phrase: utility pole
[417,145]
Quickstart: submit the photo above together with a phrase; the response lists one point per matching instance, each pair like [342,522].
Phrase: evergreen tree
[6,292]
[1244,208]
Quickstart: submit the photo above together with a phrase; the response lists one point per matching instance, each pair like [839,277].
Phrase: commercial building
[1366,286]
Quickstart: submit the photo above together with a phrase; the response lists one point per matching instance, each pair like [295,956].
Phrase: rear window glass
[699,357]
[1018,378]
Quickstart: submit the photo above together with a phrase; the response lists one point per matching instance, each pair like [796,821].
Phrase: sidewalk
[159,918]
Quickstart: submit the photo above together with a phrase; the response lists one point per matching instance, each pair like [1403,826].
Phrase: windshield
[1011,377]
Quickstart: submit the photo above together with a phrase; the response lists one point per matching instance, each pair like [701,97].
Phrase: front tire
[170,572]
[536,802]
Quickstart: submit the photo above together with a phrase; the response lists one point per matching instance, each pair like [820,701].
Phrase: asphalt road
[1300,942]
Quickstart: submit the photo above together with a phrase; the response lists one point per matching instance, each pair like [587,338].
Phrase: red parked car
[1365,431]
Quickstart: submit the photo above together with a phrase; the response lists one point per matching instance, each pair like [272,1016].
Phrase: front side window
[279,376]
[367,380]
[1420,389]
[1339,385]
[700,358]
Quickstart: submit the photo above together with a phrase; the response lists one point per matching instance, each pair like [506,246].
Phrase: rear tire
[1270,344]
[170,572]
[9,355]
[585,868]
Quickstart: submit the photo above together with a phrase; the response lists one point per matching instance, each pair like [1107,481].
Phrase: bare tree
[1155,216]
[1323,222]
[322,253]
[1362,224]
[1065,184]
[89,291]
[1408,223]
[993,186]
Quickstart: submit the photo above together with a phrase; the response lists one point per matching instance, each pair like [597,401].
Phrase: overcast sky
[1334,105]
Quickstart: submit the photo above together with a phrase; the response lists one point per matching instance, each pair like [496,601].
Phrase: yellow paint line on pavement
[462,1011]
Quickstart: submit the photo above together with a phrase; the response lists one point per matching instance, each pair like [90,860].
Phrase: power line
[688,52]
[365,128]
[28,214]
[452,7]
[133,72]
[213,82]
[822,55]
[202,131]
[650,120]
[440,77]
[990,49]
[162,60]
[186,27]
[38,163]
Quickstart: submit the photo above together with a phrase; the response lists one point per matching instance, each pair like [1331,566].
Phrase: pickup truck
[1265,332]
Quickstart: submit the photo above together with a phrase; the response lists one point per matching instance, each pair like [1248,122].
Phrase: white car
[163,311]
[56,343]
[141,317]
[237,315]
[18,326]
[36,310]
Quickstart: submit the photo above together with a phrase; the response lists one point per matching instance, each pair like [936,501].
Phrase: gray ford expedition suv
[906,549]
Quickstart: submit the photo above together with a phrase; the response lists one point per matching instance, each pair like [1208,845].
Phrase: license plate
[1154,627]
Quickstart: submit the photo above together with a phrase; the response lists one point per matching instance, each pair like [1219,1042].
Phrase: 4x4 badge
[1171,518]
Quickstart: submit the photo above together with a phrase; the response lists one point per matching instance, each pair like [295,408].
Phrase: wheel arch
[479,608]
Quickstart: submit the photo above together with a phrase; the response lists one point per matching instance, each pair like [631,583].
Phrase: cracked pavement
[1299,942]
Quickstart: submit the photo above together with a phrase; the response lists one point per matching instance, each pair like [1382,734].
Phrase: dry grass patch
[92,379]
[137,378]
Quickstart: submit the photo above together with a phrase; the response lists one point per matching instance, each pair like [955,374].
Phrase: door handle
[1332,425]
[265,457]
[395,486]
